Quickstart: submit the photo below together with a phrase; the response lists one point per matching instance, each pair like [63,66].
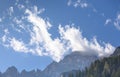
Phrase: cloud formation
[18,45]
[41,42]
[76,42]
[40,35]
[77,3]
[10,11]
[117,22]
[108,21]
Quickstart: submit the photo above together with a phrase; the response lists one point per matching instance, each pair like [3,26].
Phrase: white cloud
[79,43]
[39,35]
[117,22]
[10,10]
[83,5]
[107,21]
[18,25]
[13,43]
[17,21]
[37,11]
[4,38]
[18,45]
[6,31]
[78,3]
[69,2]
[41,43]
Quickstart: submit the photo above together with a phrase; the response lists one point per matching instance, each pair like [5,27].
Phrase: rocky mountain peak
[116,52]
[12,68]
[74,61]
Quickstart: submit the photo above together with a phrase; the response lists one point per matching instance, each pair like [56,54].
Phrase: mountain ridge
[116,52]
[106,67]
[74,61]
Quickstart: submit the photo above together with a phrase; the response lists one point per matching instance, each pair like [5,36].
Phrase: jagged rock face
[32,73]
[27,74]
[74,61]
[116,52]
[11,72]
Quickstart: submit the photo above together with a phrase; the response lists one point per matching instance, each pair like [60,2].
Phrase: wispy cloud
[18,45]
[69,2]
[76,42]
[77,3]
[40,35]
[117,22]
[37,11]
[18,24]
[10,11]
[5,37]
[41,42]
[108,21]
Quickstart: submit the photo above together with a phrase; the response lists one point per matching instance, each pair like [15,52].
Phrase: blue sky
[33,33]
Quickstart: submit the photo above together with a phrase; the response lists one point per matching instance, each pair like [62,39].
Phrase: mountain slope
[32,73]
[106,67]
[74,61]
[13,72]
[116,52]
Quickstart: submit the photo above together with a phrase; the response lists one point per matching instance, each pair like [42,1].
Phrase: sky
[33,33]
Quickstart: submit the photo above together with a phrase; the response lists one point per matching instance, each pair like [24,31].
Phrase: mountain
[13,72]
[116,52]
[106,67]
[75,64]
[0,74]
[33,73]
[74,61]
